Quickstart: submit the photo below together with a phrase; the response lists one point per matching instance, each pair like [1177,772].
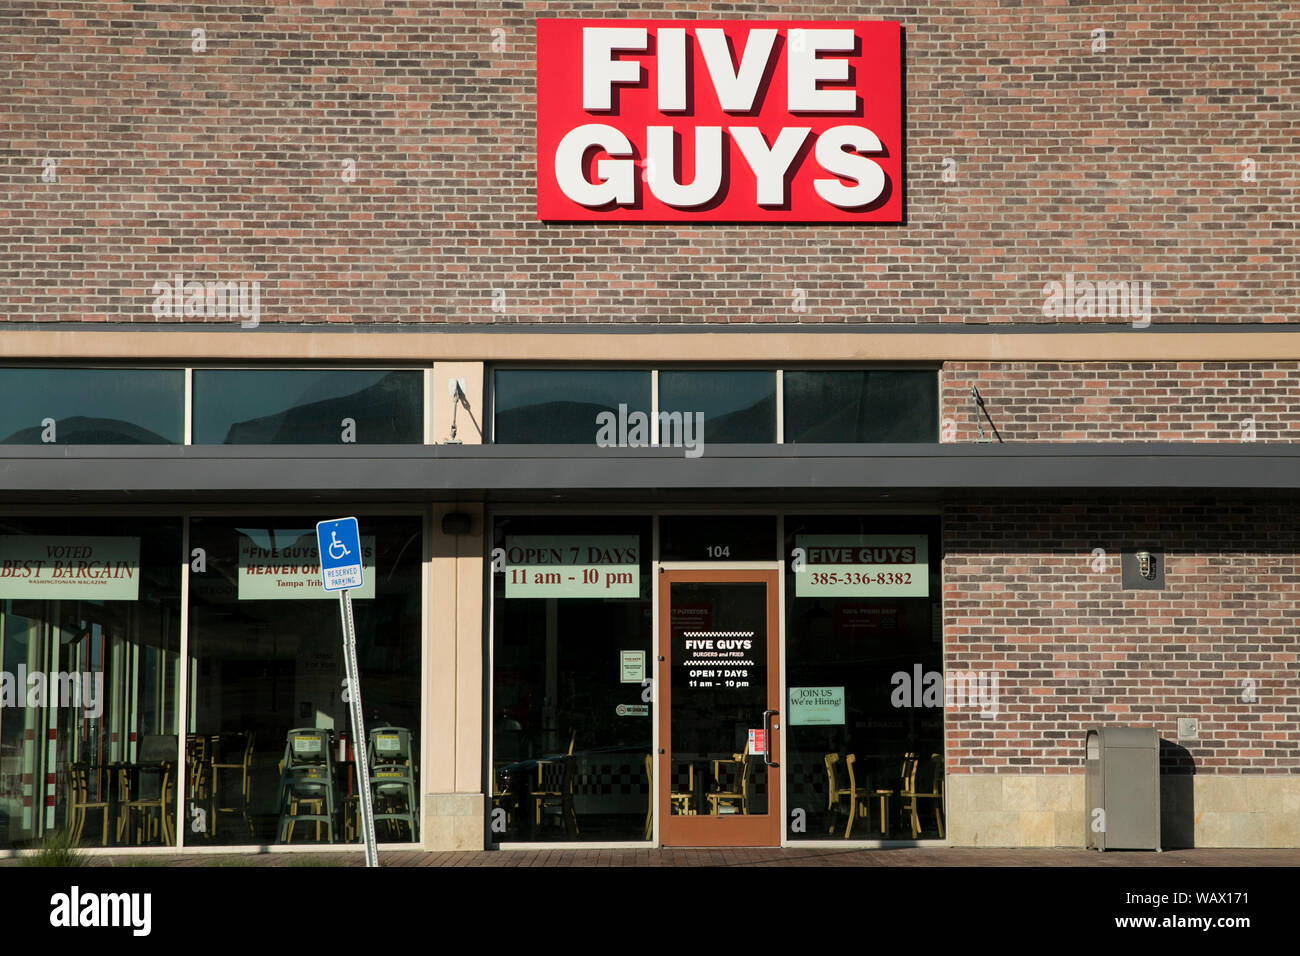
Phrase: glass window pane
[90,641]
[884,405]
[269,738]
[864,668]
[92,406]
[738,406]
[560,406]
[571,726]
[308,406]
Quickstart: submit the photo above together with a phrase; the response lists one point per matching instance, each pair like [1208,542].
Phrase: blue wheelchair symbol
[342,551]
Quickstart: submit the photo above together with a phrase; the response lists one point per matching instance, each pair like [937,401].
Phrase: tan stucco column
[452,781]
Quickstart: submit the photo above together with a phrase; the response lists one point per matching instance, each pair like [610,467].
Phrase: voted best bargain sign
[725,120]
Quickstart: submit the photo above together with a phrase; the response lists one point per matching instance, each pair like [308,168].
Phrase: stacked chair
[307,783]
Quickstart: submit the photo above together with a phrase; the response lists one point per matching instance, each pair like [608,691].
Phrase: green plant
[56,849]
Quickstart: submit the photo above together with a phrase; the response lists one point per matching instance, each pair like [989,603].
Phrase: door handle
[767,738]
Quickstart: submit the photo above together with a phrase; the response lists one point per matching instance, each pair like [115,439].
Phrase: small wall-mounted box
[1142,570]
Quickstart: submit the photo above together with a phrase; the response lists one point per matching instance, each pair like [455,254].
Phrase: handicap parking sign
[339,541]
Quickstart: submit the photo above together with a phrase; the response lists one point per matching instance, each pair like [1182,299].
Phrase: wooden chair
[737,798]
[555,789]
[501,797]
[683,803]
[650,796]
[550,779]
[199,782]
[910,793]
[351,818]
[241,747]
[151,809]
[198,755]
[679,803]
[836,793]
[79,803]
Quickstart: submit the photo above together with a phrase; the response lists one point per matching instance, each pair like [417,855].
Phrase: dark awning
[575,473]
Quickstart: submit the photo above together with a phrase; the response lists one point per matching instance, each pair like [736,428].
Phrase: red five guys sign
[719,121]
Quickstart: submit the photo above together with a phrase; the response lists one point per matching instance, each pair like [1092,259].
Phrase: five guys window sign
[719,121]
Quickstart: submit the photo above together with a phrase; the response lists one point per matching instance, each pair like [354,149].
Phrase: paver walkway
[787,856]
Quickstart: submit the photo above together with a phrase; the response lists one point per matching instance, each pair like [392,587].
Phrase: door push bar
[767,737]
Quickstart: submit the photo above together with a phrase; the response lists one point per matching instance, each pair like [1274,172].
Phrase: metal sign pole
[360,758]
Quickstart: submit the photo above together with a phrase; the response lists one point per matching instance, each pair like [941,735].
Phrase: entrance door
[719,690]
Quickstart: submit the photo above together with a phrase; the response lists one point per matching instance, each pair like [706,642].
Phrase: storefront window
[90,640]
[572,715]
[560,406]
[736,405]
[878,405]
[866,684]
[709,537]
[92,406]
[308,407]
[270,749]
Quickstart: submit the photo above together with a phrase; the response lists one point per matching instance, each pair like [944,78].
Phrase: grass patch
[56,849]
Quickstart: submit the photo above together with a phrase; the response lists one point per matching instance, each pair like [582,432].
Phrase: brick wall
[1071,648]
[228,164]
[1123,401]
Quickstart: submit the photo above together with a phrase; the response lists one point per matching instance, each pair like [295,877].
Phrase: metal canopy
[568,472]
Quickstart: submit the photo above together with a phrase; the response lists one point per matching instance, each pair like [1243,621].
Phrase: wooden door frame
[703,829]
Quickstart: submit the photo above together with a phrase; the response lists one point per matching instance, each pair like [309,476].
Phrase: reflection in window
[89,639]
[560,406]
[864,666]
[738,406]
[571,725]
[307,407]
[92,406]
[883,405]
[270,753]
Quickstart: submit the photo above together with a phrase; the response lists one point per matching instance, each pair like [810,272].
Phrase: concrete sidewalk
[775,857]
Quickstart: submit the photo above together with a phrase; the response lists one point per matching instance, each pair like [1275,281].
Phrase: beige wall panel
[469,423]
[264,345]
[469,654]
[440,718]
[1204,810]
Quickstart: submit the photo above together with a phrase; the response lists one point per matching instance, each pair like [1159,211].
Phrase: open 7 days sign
[725,121]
